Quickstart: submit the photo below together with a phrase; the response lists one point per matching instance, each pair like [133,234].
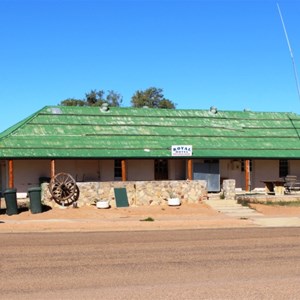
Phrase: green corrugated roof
[89,132]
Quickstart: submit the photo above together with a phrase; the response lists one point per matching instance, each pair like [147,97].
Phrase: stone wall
[138,192]
[229,189]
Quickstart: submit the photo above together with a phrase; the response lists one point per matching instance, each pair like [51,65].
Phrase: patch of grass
[248,202]
[149,219]
[283,203]
[243,202]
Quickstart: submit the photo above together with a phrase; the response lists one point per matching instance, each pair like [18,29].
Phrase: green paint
[121,197]
[87,132]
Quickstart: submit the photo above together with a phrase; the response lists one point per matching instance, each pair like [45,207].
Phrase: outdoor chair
[292,184]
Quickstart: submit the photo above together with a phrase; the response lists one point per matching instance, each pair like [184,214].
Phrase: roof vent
[213,110]
[104,107]
[56,110]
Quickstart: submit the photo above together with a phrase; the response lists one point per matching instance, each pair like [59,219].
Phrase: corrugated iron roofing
[90,132]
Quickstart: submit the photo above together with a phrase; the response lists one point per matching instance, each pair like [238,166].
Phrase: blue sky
[228,54]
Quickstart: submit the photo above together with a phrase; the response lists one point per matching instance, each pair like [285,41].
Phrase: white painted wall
[140,169]
[231,169]
[107,171]
[81,170]
[87,170]
[28,172]
[261,170]
[264,170]
[294,168]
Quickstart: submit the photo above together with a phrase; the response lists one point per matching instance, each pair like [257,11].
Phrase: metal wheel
[75,197]
[63,188]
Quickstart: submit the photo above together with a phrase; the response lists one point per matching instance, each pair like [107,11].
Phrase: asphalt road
[253,263]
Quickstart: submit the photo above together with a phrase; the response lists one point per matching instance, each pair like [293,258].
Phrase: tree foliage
[151,97]
[95,98]
[72,102]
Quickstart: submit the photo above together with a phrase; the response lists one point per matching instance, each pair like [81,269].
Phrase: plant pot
[173,201]
[102,204]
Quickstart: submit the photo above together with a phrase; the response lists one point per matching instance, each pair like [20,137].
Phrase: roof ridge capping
[212,109]
[212,112]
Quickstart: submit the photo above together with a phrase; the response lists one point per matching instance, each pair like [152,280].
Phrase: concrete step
[232,208]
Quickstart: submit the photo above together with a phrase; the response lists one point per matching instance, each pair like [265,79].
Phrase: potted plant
[102,204]
[173,200]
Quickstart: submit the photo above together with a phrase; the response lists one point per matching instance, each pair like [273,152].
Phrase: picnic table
[274,187]
[282,186]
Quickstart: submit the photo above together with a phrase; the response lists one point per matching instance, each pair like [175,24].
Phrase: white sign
[182,150]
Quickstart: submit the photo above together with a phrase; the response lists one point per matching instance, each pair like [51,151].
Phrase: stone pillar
[229,189]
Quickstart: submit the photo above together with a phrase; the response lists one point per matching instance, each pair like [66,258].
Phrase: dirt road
[251,263]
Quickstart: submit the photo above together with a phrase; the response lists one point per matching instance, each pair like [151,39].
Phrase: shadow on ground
[22,209]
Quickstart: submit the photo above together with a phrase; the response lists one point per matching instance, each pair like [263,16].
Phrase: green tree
[152,97]
[95,98]
[72,102]
[114,99]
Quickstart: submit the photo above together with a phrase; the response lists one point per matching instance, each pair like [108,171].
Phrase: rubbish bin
[35,200]
[10,196]
[44,179]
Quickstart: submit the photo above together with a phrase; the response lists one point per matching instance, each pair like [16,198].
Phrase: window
[118,169]
[243,165]
[283,167]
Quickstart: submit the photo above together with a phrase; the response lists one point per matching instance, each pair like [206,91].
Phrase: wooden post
[190,169]
[10,174]
[247,175]
[52,168]
[123,165]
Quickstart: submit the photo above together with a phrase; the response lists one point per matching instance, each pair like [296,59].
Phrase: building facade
[143,144]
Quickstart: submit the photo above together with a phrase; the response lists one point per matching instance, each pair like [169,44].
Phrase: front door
[209,171]
[161,169]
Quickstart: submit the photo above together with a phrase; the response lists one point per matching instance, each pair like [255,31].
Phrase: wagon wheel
[75,197]
[63,188]
[71,200]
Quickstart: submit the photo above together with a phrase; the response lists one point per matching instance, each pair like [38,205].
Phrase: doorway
[208,171]
[161,169]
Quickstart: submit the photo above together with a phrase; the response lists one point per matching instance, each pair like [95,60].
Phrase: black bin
[10,196]
[35,200]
